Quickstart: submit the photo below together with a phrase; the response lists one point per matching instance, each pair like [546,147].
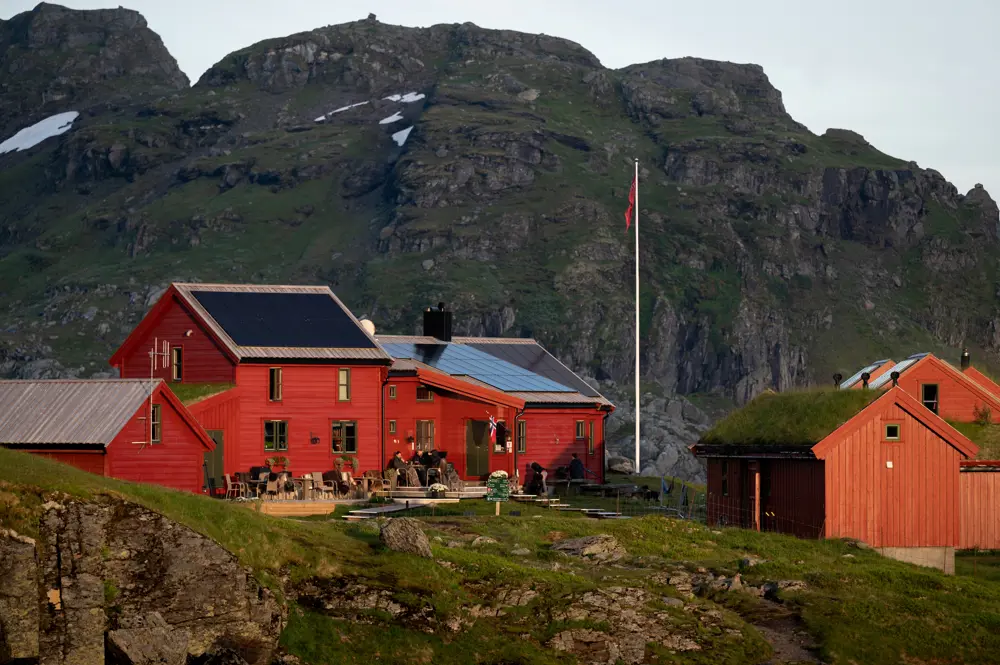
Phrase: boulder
[483,540]
[621,464]
[19,598]
[152,642]
[594,548]
[403,534]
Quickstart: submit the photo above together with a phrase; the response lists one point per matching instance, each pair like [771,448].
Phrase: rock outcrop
[114,573]
[403,534]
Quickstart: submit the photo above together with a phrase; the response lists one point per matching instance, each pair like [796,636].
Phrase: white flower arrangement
[498,474]
[438,487]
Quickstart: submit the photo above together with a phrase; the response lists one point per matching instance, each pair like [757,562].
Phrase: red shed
[942,388]
[300,377]
[111,427]
[873,465]
[979,499]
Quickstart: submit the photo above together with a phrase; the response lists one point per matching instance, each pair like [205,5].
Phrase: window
[344,385]
[765,479]
[176,363]
[275,435]
[344,436]
[424,394]
[500,445]
[892,432]
[392,392]
[725,479]
[274,384]
[155,425]
[522,436]
[590,440]
[929,396]
[392,427]
[425,434]
[580,429]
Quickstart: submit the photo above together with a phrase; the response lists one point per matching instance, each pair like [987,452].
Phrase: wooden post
[498,508]
[756,495]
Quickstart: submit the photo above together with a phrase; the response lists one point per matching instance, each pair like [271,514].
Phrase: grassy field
[856,606]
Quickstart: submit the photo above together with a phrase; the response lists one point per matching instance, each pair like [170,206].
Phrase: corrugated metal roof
[408,339]
[187,291]
[63,412]
[560,398]
[494,340]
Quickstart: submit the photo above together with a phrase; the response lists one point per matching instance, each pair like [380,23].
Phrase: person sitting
[536,484]
[577,471]
[397,462]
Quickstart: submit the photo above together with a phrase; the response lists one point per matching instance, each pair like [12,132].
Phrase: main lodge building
[288,371]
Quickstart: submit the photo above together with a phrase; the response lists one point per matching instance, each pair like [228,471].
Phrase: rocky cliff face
[55,58]
[114,578]
[489,169]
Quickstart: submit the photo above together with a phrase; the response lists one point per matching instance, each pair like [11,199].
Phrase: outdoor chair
[271,490]
[324,487]
[376,483]
[234,488]
[391,476]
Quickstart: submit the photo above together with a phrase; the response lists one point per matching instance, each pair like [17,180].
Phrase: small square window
[424,394]
[392,427]
[392,392]
[892,432]
[274,384]
[580,429]
[344,385]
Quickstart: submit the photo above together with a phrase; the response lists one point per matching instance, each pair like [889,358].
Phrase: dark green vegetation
[771,256]
[987,437]
[189,393]
[858,608]
[795,418]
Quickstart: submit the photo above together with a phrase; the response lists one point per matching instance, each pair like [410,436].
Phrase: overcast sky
[918,78]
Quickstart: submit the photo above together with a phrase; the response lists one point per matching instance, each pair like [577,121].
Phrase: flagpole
[637,469]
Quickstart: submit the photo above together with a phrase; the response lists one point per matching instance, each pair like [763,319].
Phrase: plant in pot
[351,460]
[437,490]
[277,463]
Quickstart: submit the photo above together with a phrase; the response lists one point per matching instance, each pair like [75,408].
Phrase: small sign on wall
[888,464]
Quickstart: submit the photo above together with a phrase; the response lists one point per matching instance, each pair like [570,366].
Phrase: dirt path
[790,642]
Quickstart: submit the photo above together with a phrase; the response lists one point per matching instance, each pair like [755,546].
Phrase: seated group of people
[536,483]
[422,467]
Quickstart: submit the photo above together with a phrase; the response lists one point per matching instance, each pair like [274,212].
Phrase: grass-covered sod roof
[800,418]
[987,437]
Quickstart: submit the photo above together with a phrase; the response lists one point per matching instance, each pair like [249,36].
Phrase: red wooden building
[111,427]
[442,390]
[295,373]
[979,505]
[864,376]
[873,465]
[942,388]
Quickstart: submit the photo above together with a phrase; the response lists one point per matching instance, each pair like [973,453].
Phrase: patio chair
[324,487]
[376,483]
[391,476]
[235,488]
[271,490]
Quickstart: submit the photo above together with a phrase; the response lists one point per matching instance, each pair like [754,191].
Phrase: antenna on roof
[895,379]
[837,378]
[865,376]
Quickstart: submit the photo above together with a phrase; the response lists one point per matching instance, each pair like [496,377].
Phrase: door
[214,460]
[895,492]
[477,448]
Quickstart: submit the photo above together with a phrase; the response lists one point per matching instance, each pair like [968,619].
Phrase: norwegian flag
[631,203]
[493,430]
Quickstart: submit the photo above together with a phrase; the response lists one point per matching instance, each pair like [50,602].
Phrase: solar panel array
[857,375]
[536,359]
[900,367]
[304,320]
[462,360]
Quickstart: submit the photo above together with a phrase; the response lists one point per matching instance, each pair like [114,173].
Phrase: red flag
[631,205]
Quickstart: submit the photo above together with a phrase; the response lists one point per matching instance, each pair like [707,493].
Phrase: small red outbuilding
[131,429]
[873,465]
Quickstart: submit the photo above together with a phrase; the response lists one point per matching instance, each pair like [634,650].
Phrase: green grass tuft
[799,418]
[189,393]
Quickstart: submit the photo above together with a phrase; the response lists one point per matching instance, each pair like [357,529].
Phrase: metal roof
[857,375]
[188,292]
[900,367]
[48,412]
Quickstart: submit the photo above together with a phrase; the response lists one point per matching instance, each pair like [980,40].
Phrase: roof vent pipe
[965,359]
[864,379]
[895,379]
[837,378]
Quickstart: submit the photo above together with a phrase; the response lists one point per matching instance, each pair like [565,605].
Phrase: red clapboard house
[111,427]
[293,372]
[442,392]
[876,465]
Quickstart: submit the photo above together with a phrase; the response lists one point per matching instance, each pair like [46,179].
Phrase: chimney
[437,323]
[837,378]
[895,379]
[965,359]
[864,379]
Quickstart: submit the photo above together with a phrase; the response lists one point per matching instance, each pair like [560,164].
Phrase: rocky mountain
[487,169]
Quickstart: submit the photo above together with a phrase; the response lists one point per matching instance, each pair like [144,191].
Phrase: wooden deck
[300,508]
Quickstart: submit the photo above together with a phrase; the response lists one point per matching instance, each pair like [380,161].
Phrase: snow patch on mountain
[31,136]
